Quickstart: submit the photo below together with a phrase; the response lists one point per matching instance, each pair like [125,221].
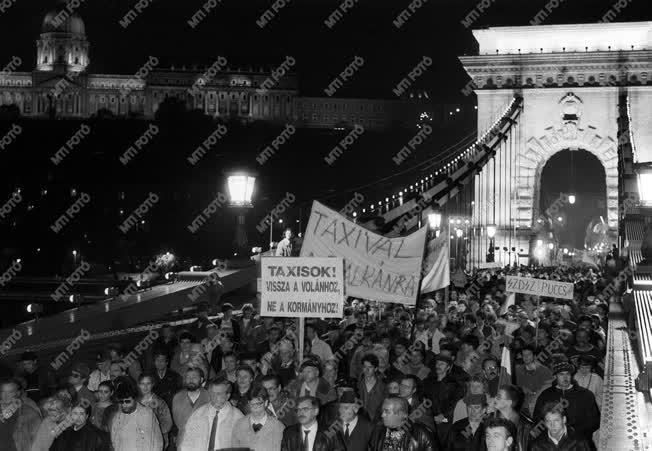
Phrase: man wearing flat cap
[581,409]
[467,433]
[310,383]
[352,429]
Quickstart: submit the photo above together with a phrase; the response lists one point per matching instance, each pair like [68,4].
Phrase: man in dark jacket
[351,429]
[81,436]
[166,381]
[398,432]
[281,406]
[307,435]
[468,434]
[557,436]
[444,392]
[581,409]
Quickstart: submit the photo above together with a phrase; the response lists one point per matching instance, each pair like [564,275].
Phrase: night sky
[298,30]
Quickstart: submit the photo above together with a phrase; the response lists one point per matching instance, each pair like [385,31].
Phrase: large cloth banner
[299,287]
[375,267]
[539,287]
[436,265]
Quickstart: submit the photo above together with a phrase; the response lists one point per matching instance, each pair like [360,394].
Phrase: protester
[500,435]
[582,411]
[468,433]
[166,381]
[55,410]
[307,434]
[258,430]
[211,425]
[160,408]
[394,433]
[281,406]
[558,435]
[102,373]
[82,435]
[284,247]
[371,387]
[104,401]
[19,422]
[188,400]
[134,426]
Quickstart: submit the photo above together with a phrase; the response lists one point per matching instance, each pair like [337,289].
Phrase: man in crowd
[532,377]
[166,381]
[582,411]
[38,380]
[280,405]
[78,379]
[500,435]
[211,426]
[306,435]
[318,346]
[352,429]
[408,387]
[396,432]
[18,421]
[82,435]
[558,435]
[371,388]
[311,384]
[188,400]
[468,434]
[102,373]
[134,426]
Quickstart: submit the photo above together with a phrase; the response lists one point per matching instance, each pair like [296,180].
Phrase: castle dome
[61,20]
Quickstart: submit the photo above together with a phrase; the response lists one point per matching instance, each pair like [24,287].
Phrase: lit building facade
[60,86]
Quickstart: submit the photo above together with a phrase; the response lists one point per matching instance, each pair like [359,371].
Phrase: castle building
[61,87]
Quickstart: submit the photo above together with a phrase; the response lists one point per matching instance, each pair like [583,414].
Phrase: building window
[102,99]
[112,99]
[45,60]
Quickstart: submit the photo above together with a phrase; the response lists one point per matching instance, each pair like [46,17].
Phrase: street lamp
[491,233]
[434,220]
[551,246]
[241,188]
[74,257]
[571,199]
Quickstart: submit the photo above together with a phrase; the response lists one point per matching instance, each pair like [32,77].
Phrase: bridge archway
[576,172]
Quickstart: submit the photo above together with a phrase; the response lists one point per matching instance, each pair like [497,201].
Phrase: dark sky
[297,30]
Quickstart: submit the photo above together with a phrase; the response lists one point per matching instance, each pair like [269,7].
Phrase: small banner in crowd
[302,287]
[435,265]
[375,267]
[539,287]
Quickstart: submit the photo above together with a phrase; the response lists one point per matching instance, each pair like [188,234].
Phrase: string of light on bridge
[447,166]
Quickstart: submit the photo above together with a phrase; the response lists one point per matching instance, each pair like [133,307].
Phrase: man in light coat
[210,427]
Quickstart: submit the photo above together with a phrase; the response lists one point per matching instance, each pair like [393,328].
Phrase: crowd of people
[433,376]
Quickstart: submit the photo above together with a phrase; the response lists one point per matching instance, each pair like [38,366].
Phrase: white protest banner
[375,267]
[490,265]
[302,287]
[539,287]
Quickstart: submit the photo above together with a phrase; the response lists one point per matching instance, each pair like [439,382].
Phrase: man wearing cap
[353,430]
[102,373]
[38,381]
[309,383]
[581,410]
[444,392]
[467,434]
[79,378]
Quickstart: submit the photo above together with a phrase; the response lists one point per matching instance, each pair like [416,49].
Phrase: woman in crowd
[104,400]
[160,408]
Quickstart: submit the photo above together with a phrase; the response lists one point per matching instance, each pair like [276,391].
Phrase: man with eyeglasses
[210,427]
[258,431]
[135,426]
[281,406]
[78,378]
[307,435]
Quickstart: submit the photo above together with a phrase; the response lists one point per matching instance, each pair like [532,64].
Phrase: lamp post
[240,184]
[491,233]
[434,220]
[459,233]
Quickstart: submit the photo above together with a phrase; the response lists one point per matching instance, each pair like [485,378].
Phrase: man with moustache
[188,400]
[210,427]
[135,426]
